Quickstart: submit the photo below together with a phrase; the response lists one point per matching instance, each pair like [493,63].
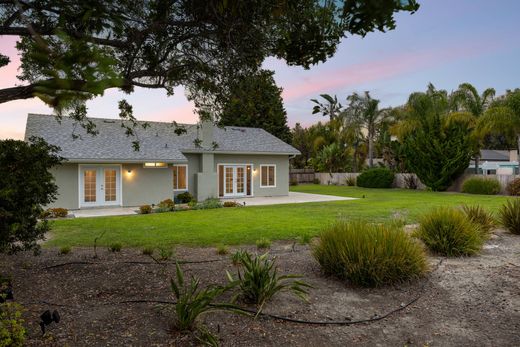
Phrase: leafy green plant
[145,209]
[260,281]
[449,232]
[509,215]
[305,239]
[369,254]
[193,301]
[148,251]
[350,180]
[376,178]
[231,204]
[184,198]
[208,204]
[56,212]
[166,205]
[236,257]
[222,249]
[115,247]
[12,331]
[513,187]
[165,253]
[481,185]
[263,243]
[478,215]
[65,250]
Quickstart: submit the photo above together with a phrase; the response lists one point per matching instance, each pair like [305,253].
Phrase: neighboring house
[104,170]
[496,162]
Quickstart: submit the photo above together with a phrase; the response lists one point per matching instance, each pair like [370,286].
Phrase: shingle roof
[494,155]
[158,142]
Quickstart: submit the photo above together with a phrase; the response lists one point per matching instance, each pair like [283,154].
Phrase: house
[207,161]
[496,162]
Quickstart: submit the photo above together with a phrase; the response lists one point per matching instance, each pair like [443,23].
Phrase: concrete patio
[292,198]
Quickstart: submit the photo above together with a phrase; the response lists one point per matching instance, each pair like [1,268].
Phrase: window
[149,165]
[180,177]
[267,176]
[90,185]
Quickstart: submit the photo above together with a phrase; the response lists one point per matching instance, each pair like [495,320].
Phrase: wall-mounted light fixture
[129,171]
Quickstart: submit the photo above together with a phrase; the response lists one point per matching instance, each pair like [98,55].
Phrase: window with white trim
[180,177]
[267,176]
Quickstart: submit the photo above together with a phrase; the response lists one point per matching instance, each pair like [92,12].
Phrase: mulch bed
[465,301]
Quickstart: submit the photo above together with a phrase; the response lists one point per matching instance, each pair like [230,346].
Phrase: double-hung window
[180,177]
[267,176]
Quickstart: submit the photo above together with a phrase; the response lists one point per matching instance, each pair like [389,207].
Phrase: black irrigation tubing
[273,316]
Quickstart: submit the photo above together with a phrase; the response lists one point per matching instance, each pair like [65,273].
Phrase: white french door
[100,186]
[235,180]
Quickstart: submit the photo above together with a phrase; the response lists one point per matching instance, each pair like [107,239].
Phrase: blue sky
[445,42]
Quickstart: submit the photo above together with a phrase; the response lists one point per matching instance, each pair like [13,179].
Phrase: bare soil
[463,302]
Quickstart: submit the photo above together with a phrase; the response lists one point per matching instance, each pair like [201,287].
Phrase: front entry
[235,180]
[100,186]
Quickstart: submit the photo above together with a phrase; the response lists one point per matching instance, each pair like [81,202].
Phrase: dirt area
[463,302]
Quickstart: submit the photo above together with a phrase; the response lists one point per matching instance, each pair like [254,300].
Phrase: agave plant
[260,281]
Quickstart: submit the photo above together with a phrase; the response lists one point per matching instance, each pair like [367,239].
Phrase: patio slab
[103,212]
[292,198]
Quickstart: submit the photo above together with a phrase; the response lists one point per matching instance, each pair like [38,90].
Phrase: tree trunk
[354,167]
[370,151]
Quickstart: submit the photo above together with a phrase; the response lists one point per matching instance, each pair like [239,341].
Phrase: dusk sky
[445,42]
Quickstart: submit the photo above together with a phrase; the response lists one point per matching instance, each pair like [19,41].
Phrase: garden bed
[464,301]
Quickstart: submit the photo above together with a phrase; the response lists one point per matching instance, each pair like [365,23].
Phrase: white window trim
[238,164]
[268,186]
[187,178]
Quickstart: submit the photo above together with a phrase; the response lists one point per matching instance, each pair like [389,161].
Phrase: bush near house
[369,254]
[513,188]
[57,212]
[184,198]
[481,185]
[509,215]
[12,331]
[145,209]
[376,178]
[231,204]
[449,232]
[167,205]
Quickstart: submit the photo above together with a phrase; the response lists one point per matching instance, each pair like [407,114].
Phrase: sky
[446,42]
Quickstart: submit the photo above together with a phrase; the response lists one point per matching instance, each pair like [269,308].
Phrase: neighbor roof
[158,142]
[494,155]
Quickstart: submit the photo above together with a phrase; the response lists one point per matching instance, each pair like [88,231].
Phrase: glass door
[99,186]
[235,180]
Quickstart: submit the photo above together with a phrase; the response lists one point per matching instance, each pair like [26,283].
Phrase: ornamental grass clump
[449,232]
[479,216]
[369,255]
[481,185]
[509,215]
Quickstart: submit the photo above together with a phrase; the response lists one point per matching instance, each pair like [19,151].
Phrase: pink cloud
[379,69]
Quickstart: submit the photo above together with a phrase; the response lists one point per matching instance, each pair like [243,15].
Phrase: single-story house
[206,161]
[496,162]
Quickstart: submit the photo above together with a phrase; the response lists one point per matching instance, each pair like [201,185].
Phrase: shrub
[12,332]
[509,215]
[231,204]
[184,198]
[263,243]
[115,247]
[369,254]
[167,205]
[165,253]
[376,178]
[208,204]
[56,212]
[65,250]
[148,251]
[513,187]
[145,209]
[350,180]
[222,249]
[479,216]
[193,301]
[449,232]
[260,280]
[316,181]
[481,185]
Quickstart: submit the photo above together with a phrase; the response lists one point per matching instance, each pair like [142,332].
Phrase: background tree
[256,101]
[466,98]
[72,51]
[25,185]
[330,108]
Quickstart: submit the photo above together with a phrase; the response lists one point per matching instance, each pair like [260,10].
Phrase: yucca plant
[260,281]
[236,257]
[369,255]
[449,232]
[193,301]
[509,215]
[478,215]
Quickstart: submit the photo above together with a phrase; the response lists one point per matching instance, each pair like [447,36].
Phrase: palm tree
[364,110]
[467,99]
[331,108]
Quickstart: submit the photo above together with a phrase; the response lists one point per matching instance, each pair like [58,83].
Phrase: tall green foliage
[25,185]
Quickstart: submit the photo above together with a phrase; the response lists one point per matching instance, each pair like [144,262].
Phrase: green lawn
[245,225]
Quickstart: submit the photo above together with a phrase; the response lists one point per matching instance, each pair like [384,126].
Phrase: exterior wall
[66,178]
[193,168]
[146,186]
[282,171]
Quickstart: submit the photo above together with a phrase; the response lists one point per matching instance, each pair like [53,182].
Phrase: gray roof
[494,155]
[158,142]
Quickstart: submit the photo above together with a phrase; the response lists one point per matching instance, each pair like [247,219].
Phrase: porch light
[148,165]
[129,171]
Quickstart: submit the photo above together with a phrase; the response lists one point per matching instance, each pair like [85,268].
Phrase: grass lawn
[246,225]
